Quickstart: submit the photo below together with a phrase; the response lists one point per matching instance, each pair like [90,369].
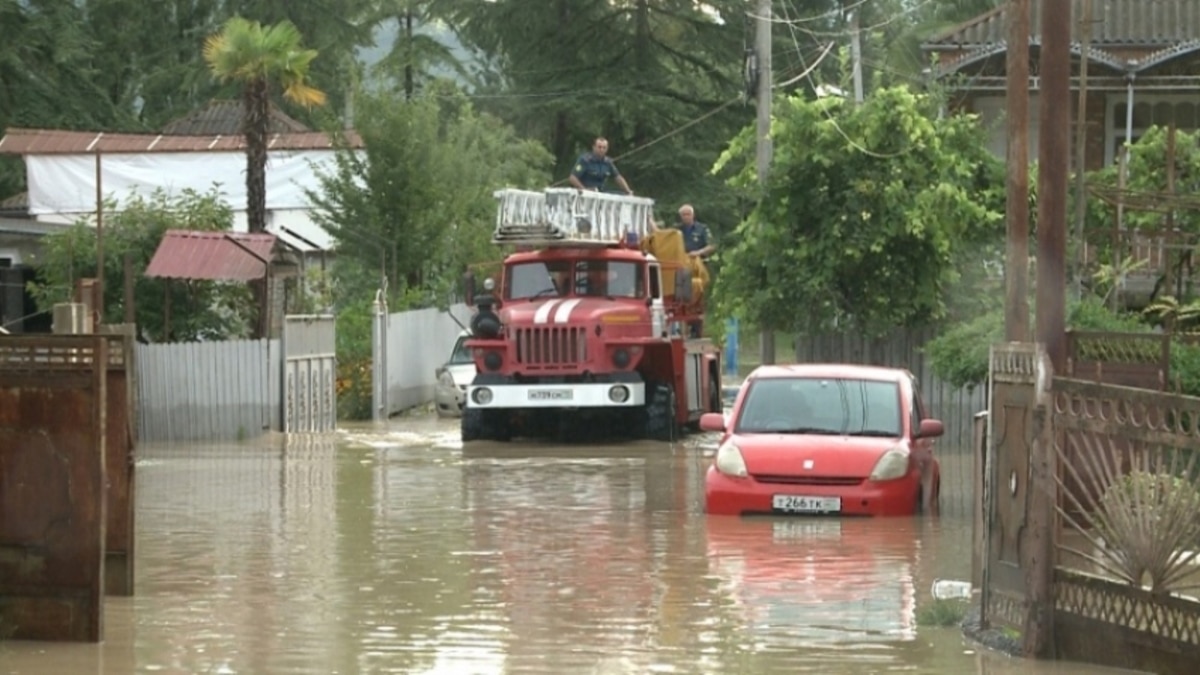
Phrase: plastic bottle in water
[949,589]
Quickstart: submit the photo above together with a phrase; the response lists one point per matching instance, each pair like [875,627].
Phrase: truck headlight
[618,393]
[893,465]
[482,396]
[730,461]
[621,357]
[493,360]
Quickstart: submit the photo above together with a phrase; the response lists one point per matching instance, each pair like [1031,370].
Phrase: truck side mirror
[683,285]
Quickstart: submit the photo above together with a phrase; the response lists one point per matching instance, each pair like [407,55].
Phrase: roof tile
[225,117]
[1148,24]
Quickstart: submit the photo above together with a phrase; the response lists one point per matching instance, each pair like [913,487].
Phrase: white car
[453,378]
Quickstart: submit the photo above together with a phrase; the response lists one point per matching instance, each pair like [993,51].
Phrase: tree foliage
[199,310]
[418,201]
[863,215]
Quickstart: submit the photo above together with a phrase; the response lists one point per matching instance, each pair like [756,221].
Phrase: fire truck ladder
[568,217]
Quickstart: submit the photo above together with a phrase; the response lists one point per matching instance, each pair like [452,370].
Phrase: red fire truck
[596,323]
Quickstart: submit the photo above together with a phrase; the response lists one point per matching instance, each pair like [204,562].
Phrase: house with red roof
[66,170]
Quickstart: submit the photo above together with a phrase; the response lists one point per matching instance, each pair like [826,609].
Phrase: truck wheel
[485,425]
[659,411]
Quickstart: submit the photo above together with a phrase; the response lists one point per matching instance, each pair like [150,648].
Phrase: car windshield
[587,277]
[834,406]
[461,354]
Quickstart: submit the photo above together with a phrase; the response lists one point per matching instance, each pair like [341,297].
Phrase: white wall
[62,188]
[418,341]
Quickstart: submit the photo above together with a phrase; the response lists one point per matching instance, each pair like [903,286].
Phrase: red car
[824,439]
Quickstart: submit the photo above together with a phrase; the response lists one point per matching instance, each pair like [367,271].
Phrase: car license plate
[800,504]
[551,394]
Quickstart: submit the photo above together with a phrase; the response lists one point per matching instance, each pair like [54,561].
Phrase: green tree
[197,309]
[418,201]
[415,206]
[864,213]
[257,58]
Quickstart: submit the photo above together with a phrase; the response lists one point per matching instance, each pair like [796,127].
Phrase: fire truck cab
[592,322]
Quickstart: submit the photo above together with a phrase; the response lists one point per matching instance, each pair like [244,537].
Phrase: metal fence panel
[310,374]
[208,390]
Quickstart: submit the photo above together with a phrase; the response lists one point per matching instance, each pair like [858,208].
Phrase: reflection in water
[396,553]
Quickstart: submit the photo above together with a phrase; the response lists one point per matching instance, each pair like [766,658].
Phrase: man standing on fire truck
[594,168]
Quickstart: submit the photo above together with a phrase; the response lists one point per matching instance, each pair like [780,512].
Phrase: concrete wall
[418,341]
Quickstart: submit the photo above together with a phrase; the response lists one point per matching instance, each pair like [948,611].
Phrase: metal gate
[53,417]
[1015,372]
[309,374]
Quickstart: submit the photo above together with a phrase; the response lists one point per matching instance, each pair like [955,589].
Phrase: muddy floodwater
[390,550]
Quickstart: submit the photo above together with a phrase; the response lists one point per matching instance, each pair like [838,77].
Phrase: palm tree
[246,53]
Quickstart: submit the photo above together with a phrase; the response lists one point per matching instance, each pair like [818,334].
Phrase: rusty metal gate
[309,374]
[53,416]
[1008,476]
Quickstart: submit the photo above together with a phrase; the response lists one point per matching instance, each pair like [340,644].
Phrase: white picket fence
[408,348]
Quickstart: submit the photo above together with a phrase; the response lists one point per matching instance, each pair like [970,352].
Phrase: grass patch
[1010,633]
[942,613]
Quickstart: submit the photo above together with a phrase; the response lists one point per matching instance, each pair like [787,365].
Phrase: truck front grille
[551,347]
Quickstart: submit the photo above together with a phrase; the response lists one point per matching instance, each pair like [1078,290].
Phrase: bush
[959,356]
[943,613]
[354,324]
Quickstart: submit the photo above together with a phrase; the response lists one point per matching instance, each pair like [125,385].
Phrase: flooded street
[389,550]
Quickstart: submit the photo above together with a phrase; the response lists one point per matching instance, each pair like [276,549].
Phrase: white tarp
[66,184]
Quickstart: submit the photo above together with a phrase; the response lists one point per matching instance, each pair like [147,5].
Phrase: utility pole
[1053,170]
[856,57]
[1085,33]
[762,45]
[1054,164]
[1016,277]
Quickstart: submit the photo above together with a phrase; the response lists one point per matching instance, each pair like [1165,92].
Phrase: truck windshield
[538,280]
[588,277]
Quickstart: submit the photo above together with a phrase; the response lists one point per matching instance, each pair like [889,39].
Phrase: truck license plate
[800,504]
[551,394]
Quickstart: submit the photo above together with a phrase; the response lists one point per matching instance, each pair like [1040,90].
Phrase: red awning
[215,256]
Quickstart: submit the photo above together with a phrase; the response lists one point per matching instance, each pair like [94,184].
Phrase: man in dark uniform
[696,240]
[594,168]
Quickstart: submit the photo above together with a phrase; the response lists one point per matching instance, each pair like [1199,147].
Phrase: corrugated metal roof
[58,142]
[1149,24]
[187,254]
[225,117]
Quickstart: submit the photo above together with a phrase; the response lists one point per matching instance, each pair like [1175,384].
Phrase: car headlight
[893,465]
[730,461]
[446,380]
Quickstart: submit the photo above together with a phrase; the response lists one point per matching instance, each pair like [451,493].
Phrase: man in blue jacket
[594,168]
